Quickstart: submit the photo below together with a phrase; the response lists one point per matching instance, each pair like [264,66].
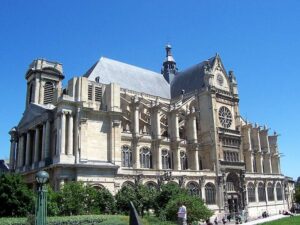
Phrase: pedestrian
[208,222]
[182,214]
[216,221]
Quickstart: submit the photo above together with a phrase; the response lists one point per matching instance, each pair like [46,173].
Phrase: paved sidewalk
[263,220]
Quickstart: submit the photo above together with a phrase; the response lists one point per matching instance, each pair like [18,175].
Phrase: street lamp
[41,204]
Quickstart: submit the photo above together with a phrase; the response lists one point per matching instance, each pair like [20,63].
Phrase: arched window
[128,184]
[261,192]
[183,161]
[279,192]
[251,192]
[30,97]
[270,190]
[48,92]
[210,194]
[193,189]
[145,158]
[166,159]
[151,185]
[126,156]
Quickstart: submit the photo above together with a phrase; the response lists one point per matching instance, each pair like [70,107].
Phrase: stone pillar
[270,163]
[36,145]
[63,134]
[136,119]
[176,126]
[259,161]
[176,156]
[194,129]
[12,154]
[136,154]
[28,144]
[256,192]
[58,135]
[76,135]
[43,142]
[20,161]
[70,135]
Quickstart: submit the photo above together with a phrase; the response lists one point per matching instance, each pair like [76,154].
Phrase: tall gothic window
[261,192]
[145,158]
[166,159]
[251,192]
[279,192]
[183,161]
[126,156]
[193,189]
[270,192]
[48,92]
[210,194]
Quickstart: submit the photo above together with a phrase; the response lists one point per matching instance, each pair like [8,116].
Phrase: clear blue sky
[259,40]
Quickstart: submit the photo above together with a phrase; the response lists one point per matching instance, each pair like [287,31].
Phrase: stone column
[259,162]
[36,145]
[63,134]
[43,142]
[20,161]
[58,135]
[136,120]
[28,143]
[256,192]
[70,135]
[194,129]
[47,139]
[12,154]
[76,135]
[176,126]
[136,154]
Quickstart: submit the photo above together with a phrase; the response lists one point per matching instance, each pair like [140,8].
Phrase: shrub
[196,210]
[16,199]
[123,197]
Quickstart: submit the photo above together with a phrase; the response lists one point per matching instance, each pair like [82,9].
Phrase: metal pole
[41,206]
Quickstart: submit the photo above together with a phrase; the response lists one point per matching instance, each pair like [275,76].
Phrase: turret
[169,68]
[43,82]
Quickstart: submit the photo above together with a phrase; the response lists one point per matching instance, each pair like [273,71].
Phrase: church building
[120,124]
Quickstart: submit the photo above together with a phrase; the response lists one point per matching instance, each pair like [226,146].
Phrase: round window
[225,117]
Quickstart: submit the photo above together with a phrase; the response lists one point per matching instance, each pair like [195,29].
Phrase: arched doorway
[234,197]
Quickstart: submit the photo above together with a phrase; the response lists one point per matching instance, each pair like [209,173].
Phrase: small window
[97,79]
[48,92]
[183,161]
[210,194]
[126,156]
[98,94]
[261,192]
[165,159]
[90,92]
[251,192]
[145,158]
[270,190]
[279,192]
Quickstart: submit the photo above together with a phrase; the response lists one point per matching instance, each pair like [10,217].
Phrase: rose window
[225,117]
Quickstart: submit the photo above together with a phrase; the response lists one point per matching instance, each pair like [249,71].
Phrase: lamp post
[41,204]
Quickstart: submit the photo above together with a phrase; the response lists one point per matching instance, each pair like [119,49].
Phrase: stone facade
[103,130]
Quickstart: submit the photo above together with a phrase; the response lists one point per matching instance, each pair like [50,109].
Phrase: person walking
[182,214]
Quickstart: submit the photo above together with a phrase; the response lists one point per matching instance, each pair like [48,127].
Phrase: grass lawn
[295,220]
[87,219]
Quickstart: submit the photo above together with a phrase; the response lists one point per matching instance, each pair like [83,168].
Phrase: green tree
[72,199]
[52,202]
[123,197]
[168,191]
[145,198]
[105,201]
[16,199]
[196,210]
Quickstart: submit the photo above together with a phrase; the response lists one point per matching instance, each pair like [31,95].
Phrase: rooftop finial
[169,65]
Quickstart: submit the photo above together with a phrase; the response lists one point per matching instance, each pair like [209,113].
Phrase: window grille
[145,158]
[165,159]
[98,94]
[183,161]
[210,194]
[279,192]
[90,92]
[126,156]
[261,192]
[48,93]
[270,190]
[251,192]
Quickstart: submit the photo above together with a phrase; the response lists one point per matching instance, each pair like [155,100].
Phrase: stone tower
[43,82]
[169,68]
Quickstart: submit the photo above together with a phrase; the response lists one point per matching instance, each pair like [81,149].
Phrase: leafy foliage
[123,197]
[16,199]
[196,210]
[297,194]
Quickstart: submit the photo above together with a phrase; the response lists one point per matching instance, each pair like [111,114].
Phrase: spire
[169,68]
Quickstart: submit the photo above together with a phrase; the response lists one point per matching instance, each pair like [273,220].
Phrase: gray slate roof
[190,79]
[129,77]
